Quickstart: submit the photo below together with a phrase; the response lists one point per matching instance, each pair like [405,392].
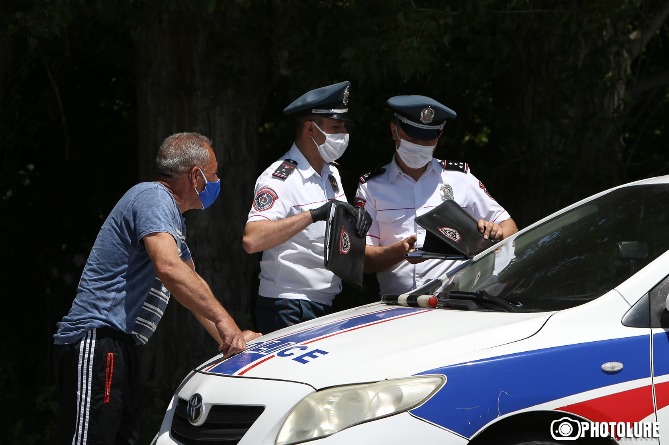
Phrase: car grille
[225,424]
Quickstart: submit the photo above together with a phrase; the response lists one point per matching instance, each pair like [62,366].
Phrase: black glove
[363,220]
[321,213]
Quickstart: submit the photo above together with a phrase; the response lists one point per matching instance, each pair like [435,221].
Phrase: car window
[576,256]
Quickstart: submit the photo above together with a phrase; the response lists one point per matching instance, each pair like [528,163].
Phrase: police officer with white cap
[291,203]
[410,185]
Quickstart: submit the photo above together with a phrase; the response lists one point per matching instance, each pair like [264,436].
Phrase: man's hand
[250,335]
[321,213]
[363,220]
[379,258]
[490,230]
[234,340]
[408,245]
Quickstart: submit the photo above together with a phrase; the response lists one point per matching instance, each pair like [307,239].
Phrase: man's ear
[393,131]
[308,128]
[192,176]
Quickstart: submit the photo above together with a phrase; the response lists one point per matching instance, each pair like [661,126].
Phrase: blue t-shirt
[118,287]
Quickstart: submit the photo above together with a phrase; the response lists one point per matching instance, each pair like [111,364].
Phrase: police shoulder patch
[285,169]
[264,199]
[367,176]
[455,165]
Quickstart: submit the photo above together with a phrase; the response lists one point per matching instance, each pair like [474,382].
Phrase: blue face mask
[210,192]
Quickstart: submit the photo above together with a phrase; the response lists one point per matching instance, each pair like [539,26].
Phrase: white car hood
[362,345]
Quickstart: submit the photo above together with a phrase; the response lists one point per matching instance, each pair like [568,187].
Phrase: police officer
[291,203]
[410,185]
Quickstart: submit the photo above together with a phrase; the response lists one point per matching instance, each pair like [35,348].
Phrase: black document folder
[451,232]
[344,250]
[434,248]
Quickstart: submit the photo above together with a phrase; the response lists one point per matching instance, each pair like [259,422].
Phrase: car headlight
[331,410]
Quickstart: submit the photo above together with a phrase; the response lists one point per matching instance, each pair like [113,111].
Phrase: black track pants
[98,382]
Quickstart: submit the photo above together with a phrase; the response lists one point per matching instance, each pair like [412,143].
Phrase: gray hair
[180,152]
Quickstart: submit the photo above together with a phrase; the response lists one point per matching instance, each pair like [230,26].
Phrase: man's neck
[310,152]
[177,189]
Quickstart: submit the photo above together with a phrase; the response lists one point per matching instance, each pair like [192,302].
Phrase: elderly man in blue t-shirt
[139,259]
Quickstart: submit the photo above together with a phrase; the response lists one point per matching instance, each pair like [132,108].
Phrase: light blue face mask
[210,192]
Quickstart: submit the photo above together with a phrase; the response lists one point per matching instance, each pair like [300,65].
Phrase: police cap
[419,116]
[329,101]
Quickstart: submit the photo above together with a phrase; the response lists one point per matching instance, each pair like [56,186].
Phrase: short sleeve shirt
[118,287]
[394,200]
[295,269]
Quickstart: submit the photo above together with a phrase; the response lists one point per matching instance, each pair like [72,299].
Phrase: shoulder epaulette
[455,165]
[285,169]
[367,176]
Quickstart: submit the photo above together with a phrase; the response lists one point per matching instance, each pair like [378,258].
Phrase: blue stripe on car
[477,392]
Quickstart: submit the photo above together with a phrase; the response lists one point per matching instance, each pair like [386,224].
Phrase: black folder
[451,232]
[344,250]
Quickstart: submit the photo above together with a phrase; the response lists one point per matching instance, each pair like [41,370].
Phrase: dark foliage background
[556,100]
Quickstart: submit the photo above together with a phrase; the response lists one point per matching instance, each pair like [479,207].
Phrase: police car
[557,334]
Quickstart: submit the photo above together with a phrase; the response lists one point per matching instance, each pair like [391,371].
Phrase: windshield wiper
[484,297]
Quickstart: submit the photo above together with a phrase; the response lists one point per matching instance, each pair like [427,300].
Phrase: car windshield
[575,257]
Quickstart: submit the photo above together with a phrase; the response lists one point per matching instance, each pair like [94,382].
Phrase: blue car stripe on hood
[477,392]
[259,352]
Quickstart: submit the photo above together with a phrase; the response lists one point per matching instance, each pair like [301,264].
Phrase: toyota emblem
[195,408]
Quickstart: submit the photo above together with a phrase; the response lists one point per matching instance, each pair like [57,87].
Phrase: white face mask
[333,147]
[414,155]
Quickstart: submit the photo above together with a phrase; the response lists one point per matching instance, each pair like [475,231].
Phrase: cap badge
[427,115]
[345,99]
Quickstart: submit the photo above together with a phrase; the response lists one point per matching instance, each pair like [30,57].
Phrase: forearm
[193,292]
[379,258]
[264,235]
[508,228]
[210,327]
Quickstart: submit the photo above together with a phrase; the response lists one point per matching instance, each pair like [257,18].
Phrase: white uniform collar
[303,166]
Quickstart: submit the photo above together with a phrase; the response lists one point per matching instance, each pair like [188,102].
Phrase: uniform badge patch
[359,202]
[333,183]
[451,233]
[285,169]
[264,199]
[344,242]
[446,192]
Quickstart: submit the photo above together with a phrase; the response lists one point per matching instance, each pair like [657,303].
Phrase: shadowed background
[556,100]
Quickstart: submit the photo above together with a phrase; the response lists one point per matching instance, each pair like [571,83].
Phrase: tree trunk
[186,84]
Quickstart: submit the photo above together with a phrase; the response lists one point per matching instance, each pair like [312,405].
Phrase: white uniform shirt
[295,269]
[394,199]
